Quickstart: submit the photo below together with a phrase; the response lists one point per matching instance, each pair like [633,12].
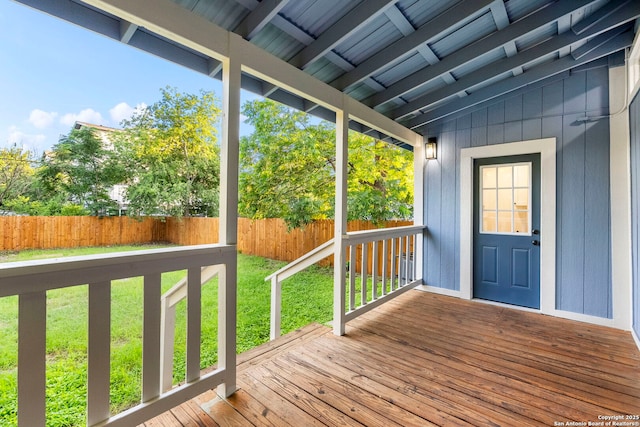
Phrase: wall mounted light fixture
[430,149]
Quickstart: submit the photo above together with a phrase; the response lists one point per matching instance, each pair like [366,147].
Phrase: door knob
[535,242]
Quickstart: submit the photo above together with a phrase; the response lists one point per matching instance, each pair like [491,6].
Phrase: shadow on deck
[424,359]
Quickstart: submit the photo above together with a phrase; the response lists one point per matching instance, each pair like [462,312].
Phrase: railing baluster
[385,262]
[167,338]
[194,324]
[151,337]
[32,348]
[394,262]
[352,277]
[407,258]
[99,371]
[364,268]
[374,271]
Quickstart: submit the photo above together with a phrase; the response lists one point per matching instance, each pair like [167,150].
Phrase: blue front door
[506,230]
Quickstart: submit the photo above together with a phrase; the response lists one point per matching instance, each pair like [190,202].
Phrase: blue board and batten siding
[583,278]
[634,122]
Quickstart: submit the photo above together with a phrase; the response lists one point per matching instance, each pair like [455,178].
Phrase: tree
[16,174]
[81,170]
[288,170]
[171,152]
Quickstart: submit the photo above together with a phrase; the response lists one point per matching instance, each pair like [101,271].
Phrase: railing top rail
[301,259]
[41,275]
[363,236]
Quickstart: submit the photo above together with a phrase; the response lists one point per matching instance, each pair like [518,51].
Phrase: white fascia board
[173,22]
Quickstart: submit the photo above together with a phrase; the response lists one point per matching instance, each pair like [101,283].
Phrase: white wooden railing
[380,265]
[391,269]
[31,280]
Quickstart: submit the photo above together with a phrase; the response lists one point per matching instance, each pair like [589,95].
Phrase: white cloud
[124,111]
[88,115]
[25,140]
[42,119]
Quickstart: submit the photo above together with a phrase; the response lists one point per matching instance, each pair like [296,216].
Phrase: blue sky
[53,73]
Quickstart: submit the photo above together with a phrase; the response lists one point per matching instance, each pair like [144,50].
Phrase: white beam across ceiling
[402,48]
[171,21]
[127,30]
[353,21]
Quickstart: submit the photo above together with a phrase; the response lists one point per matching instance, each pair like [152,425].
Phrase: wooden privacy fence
[267,238]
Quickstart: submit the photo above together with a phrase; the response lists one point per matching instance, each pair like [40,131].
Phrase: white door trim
[547,149]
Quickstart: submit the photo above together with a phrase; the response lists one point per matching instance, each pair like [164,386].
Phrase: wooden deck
[425,359]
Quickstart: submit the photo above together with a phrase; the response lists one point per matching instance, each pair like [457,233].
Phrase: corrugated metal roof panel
[490,81]
[419,12]
[398,71]
[361,91]
[424,89]
[540,61]
[479,62]
[315,16]
[325,70]
[473,31]
[222,13]
[277,42]
[537,36]
[363,43]
[518,9]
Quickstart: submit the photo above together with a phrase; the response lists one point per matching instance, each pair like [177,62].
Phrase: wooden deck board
[425,359]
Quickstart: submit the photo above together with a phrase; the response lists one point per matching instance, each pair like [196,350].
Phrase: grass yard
[306,298]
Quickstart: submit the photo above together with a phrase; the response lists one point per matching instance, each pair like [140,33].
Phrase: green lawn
[306,298]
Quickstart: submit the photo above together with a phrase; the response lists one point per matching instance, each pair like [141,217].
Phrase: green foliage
[286,165]
[81,169]
[288,170]
[52,207]
[171,152]
[16,173]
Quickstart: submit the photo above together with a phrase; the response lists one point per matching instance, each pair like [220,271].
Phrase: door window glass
[505,198]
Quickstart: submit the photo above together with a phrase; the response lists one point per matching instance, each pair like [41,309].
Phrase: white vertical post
[32,348]
[167,337]
[194,324]
[418,207]
[353,271]
[374,271]
[365,267]
[276,307]
[385,271]
[394,263]
[99,372]
[229,165]
[151,372]
[339,258]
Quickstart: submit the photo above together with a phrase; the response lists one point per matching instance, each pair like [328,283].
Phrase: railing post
[167,340]
[32,330]
[276,307]
[99,352]
[340,222]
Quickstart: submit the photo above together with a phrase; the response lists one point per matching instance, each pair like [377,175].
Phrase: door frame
[547,149]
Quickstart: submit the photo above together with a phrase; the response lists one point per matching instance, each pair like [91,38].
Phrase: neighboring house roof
[415,61]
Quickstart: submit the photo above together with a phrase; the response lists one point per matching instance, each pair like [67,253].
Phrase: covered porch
[463,363]
[462,74]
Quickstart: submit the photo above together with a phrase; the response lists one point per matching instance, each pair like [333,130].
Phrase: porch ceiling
[415,61]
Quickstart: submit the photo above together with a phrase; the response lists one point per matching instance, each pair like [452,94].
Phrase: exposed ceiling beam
[513,83]
[127,30]
[601,13]
[259,17]
[401,22]
[353,21]
[468,53]
[402,48]
[497,68]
